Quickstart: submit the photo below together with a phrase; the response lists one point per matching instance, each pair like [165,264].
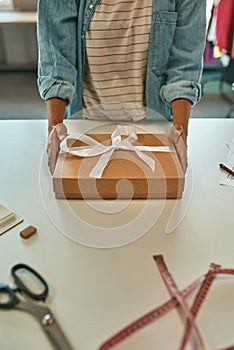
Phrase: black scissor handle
[22,286]
[11,299]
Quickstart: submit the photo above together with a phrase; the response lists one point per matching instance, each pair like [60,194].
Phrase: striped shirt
[117,45]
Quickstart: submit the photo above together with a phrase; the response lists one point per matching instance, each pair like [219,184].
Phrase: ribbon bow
[96,148]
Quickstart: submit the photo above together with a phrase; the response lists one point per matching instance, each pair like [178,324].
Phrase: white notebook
[8,219]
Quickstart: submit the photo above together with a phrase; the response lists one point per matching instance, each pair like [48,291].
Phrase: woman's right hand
[56,136]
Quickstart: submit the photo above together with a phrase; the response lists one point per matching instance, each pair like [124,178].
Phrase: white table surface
[95,292]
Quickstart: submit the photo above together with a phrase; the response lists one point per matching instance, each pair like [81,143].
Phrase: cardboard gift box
[125,174]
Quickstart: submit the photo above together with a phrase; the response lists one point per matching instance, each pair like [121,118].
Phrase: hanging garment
[223,25]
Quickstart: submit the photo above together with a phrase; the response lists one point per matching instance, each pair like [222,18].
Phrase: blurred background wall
[18,47]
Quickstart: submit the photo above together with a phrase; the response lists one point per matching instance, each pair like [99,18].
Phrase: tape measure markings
[178,299]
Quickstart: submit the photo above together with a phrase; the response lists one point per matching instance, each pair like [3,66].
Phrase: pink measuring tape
[178,298]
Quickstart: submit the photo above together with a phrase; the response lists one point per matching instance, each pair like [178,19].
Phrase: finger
[57,134]
[52,138]
[51,161]
[52,150]
[61,131]
[181,150]
[184,164]
[183,160]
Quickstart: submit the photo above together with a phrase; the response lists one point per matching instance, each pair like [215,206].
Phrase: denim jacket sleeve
[185,62]
[57,45]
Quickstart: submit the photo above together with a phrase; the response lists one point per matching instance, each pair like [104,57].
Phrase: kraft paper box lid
[125,175]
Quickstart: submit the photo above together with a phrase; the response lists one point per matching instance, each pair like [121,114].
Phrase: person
[96,52]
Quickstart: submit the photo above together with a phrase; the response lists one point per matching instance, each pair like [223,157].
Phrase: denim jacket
[175,54]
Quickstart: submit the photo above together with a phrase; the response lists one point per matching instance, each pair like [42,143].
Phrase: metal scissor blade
[48,323]
[55,333]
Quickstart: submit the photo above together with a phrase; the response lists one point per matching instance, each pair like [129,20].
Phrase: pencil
[228,170]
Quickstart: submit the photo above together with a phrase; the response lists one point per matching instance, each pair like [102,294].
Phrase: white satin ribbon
[96,148]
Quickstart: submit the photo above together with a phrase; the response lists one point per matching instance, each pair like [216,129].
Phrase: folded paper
[8,219]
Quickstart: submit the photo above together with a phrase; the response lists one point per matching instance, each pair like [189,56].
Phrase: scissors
[31,286]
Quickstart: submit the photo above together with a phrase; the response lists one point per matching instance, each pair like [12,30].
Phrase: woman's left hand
[179,140]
